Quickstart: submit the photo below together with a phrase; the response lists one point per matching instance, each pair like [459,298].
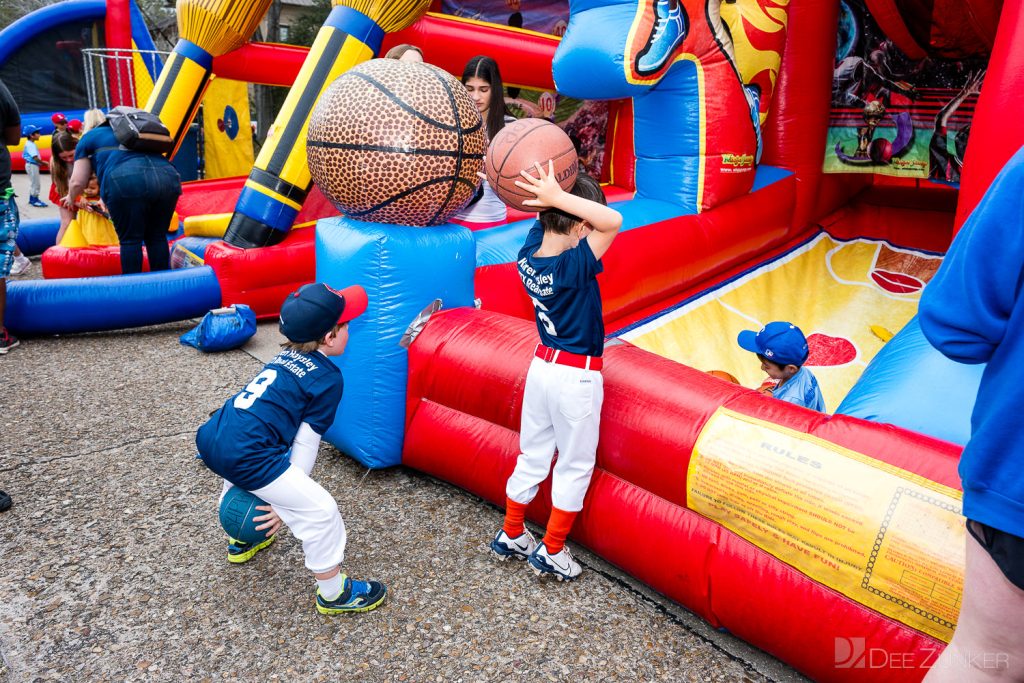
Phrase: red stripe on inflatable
[992,141]
[449,43]
[797,123]
[620,154]
[264,63]
[887,15]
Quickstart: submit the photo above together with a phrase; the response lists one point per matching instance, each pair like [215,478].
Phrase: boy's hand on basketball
[543,185]
[269,521]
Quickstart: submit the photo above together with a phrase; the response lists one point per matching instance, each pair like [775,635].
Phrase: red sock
[559,525]
[515,513]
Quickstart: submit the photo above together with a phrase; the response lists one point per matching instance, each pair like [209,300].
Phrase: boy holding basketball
[558,265]
[265,440]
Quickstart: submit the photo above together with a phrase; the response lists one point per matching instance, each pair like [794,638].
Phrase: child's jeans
[33,179]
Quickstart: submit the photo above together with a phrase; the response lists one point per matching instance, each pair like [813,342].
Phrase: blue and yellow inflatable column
[208,29]
[280,180]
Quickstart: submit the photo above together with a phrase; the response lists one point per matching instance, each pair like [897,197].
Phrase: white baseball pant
[561,408]
[305,507]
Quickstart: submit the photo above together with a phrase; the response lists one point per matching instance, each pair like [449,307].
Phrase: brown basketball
[722,374]
[516,147]
[396,142]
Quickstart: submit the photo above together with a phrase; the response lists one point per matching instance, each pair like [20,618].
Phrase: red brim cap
[356,302]
[59,118]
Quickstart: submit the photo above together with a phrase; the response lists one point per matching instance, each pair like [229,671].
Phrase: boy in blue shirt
[265,440]
[32,164]
[558,265]
[782,349]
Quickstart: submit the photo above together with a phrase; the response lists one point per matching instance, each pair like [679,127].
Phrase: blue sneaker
[504,547]
[667,34]
[240,551]
[356,596]
[35,201]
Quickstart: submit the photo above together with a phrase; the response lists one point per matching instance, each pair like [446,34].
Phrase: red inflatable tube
[463,411]
[992,141]
[262,278]
[449,42]
[62,262]
[654,262]
[203,197]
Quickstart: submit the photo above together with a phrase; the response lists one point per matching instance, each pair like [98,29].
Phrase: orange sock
[515,513]
[559,525]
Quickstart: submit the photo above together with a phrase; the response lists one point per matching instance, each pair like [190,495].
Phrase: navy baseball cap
[30,130]
[780,342]
[313,310]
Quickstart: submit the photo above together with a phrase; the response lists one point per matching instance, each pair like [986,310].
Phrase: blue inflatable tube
[37,235]
[110,303]
[911,385]
[25,29]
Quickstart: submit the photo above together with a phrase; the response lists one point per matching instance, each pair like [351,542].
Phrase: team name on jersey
[296,363]
[541,285]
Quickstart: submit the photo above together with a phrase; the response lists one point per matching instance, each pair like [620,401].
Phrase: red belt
[573,360]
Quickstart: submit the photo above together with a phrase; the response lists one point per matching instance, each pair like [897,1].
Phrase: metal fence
[110,74]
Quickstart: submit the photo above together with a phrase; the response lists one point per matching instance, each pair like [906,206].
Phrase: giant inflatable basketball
[396,142]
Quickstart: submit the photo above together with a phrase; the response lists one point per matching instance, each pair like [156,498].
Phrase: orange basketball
[722,374]
[396,142]
[517,147]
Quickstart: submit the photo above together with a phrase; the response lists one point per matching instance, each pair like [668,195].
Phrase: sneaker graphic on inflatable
[666,35]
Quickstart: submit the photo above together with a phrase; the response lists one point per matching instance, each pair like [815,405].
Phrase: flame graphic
[758,31]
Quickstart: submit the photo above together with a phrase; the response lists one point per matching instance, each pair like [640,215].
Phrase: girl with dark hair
[62,158]
[483,82]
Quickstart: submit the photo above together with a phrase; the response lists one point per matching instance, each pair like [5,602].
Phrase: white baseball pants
[305,507]
[561,408]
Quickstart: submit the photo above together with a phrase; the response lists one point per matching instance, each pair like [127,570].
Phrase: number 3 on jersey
[254,389]
[541,311]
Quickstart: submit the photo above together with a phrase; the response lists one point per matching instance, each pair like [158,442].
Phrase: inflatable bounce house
[772,160]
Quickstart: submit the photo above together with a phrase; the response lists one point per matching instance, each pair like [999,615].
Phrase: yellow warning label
[885,537]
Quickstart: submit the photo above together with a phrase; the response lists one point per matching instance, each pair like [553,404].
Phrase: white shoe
[505,547]
[21,264]
[561,565]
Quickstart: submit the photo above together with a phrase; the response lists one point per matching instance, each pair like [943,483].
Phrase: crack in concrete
[105,449]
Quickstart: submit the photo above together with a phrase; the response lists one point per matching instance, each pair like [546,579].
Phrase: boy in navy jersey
[558,265]
[265,440]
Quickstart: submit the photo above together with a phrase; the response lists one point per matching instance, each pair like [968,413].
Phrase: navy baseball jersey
[566,298]
[248,440]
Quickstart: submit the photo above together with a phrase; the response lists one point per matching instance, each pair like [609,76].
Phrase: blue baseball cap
[30,130]
[313,310]
[780,342]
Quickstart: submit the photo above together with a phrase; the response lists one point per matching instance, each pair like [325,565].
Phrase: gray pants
[33,179]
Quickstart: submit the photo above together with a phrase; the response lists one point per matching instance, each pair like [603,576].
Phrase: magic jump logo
[854,653]
[736,163]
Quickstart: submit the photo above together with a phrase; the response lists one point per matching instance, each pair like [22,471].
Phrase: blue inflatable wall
[93,304]
[912,385]
[403,270]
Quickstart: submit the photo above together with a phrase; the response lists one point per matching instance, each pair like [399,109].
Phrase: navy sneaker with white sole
[504,547]
[561,565]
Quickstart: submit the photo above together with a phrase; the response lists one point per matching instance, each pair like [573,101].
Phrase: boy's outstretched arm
[604,220]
